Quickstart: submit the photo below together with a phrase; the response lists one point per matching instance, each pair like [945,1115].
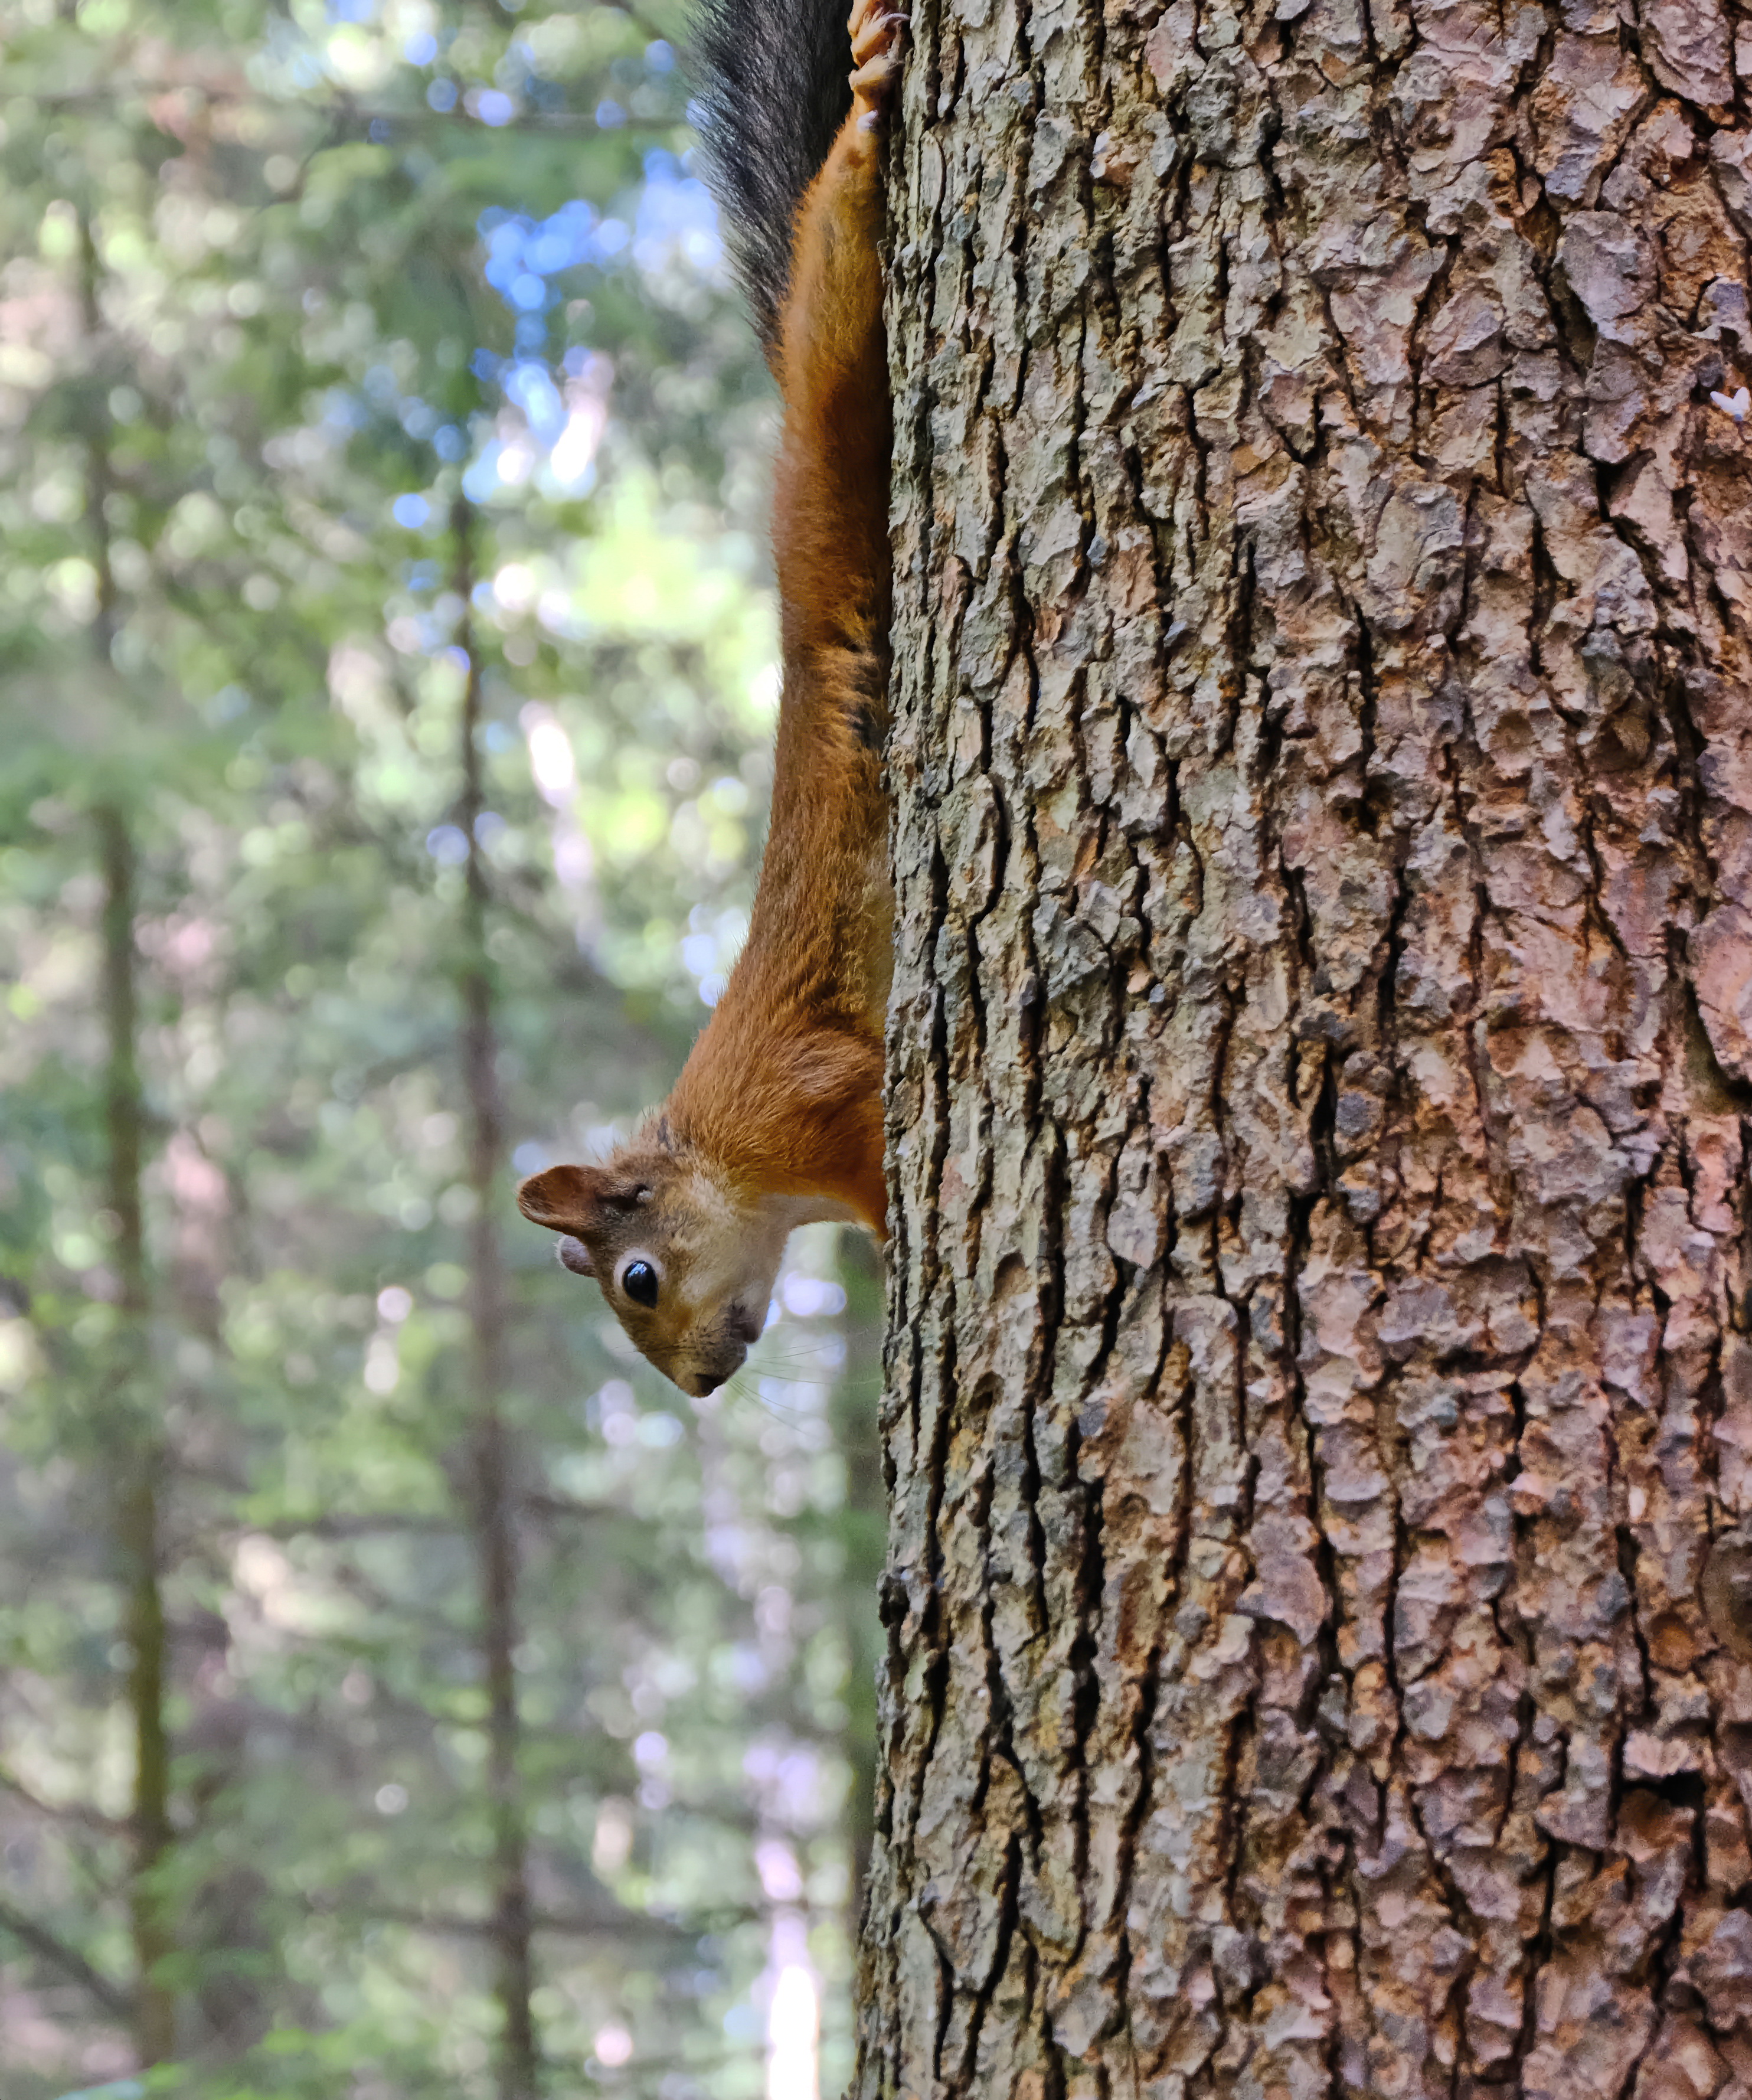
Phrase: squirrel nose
[745,1326]
[708,1382]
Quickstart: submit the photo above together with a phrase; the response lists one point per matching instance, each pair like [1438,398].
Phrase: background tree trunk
[134,1406]
[140,1461]
[491,1488]
[1320,1403]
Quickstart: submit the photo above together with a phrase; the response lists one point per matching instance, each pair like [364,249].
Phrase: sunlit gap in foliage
[560,412]
[794,2006]
[554,767]
[549,434]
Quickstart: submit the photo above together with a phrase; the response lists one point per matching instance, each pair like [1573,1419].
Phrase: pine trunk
[1319,1417]
[139,1460]
[492,1487]
[135,1421]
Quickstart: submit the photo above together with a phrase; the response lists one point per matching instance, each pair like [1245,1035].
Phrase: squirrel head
[686,1263]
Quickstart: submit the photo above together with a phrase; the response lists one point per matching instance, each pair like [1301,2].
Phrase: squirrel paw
[878,30]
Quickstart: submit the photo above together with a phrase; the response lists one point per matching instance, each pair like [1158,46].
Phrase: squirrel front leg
[784,1089]
[805,1005]
[776,1119]
[831,496]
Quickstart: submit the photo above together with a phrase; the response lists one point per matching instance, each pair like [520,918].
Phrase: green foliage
[340,347]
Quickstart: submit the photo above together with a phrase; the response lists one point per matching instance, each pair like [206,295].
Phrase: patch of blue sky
[558,242]
[674,221]
[481,478]
[530,386]
[519,247]
[676,216]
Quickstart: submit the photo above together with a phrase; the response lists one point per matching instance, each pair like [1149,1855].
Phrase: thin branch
[115,2000]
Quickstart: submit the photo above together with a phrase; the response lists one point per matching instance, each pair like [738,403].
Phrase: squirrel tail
[774,90]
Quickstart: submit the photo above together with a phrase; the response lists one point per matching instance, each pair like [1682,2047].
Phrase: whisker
[814,1370]
[793,1416]
[803,1357]
[822,1362]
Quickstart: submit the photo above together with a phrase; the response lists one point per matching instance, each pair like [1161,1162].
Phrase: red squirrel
[776,1120]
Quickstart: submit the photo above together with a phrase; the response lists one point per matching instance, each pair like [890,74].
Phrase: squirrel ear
[574,1256]
[565,1199]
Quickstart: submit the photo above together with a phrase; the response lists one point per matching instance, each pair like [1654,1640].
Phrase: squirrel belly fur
[776,1120]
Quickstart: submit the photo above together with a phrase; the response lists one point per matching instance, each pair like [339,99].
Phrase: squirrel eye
[640,1283]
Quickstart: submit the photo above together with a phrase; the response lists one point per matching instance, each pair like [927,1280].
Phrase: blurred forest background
[404,1691]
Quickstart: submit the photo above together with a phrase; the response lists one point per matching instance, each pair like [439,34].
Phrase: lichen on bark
[1319,1419]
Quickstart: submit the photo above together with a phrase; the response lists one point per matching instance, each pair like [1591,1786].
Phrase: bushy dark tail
[771,79]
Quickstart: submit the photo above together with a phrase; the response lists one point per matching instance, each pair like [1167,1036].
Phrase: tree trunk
[135,1420]
[1320,1402]
[138,1459]
[493,1511]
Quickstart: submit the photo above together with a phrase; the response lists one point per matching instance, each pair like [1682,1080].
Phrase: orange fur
[784,1087]
[777,1116]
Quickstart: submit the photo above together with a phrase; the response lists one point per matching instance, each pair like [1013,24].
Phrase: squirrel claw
[877,31]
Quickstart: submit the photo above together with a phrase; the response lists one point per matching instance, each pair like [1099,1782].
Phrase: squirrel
[776,1120]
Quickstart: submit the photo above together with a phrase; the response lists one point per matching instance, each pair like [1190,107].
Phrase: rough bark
[491,1488]
[1319,1417]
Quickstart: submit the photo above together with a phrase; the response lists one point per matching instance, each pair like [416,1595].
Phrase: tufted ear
[565,1199]
[574,1256]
